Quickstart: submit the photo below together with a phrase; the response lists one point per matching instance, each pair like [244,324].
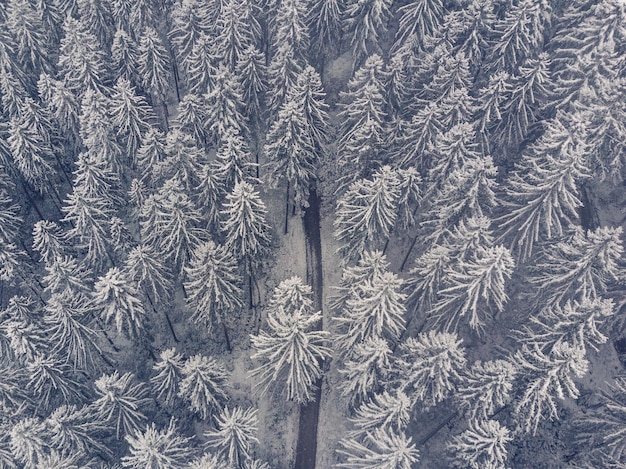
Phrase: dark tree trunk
[287,209]
[228,346]
[408,253]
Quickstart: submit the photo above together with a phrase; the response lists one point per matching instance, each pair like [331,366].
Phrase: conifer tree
[169,371]
[150,153]
[224,105]
[252,75]
[183,161]
[50,380]
[244,225]
[120,402]
[482,445]
[363,23]
[96,17]
[154,64]
[199,66]
[541,193]
[363,115]
[157,449]
[486,388]
[191,117]
[233,161]
[429,366]
[81,60]
[124,56]
[310,95]
[234,32]
[548,377]
[76,430]
[212,286]
[291,295]
[325,28]
[381,448]
[130,114]
[290,353]
[119,302]
[48,240]
[27,441]
[234,436]
[473,288]
[374,310]
[25,25]
[383,410]
[202,385]
[419,18]
[190,20]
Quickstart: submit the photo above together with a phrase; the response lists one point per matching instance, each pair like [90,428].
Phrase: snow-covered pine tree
[183,162]
[383,448]
[290,353]
[150,153]
[541,194]
[309,94]
[246,231]
[486,388]
[519,34]
[383,410]
[169,369]
[81,60]
[202,385]
[51,381]
[366,370]
[76,430]
[199,66]
[363,24]
[191,117]
[149,273]
[224,105]
[131,115]
[96,16]
[291,295]
[578,323]
[367,212]
[547,377]
[252,75]
[473,289]
[124,56]
[419,18]
[25,26]
[375,309]
[120,402]
[325,28]
[28,442]
[419,135]
[213,286]
[488,109]
[48,240]
[66,316]
[289,44]
[430,366]
[472,27]
[154,64]
[525,91]
[233,161]
[584,264]
[157,448]
[481,446]
[190,20]
[235,30]
[291,154]
[118,302]
[234,436]
[363,119]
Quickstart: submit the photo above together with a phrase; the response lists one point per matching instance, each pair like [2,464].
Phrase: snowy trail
[306,448]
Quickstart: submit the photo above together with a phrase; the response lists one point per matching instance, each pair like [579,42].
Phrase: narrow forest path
[306,447]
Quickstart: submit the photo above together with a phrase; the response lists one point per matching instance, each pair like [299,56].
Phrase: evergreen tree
[183,162]
[234,32]
[429,366]
[291,294]
[27,441]
[118,302]
[190,20]
[25,26]
[120,402]
[363,116]
[191,117]
[583,264]
[363,23]
[290,353]
[419,18]
[383,410]
[150,274]
[124,56]
[154,64]
[81,60]
[486,388]
[202,385]
[50,380]
[157,449]
[234,435]
[367,212]
[310,95]
[199,66]
[367,369]
[233,161]
[519,33]
[381,449]
[548,376]
[212,286]
[96,17]
[169,370]
[542,194]
[76,430]
[246,231]
[48,240]
[482,445]
[151,152]
[374,310]
[473,288]
[130,114]
[252,75]
[224,104]
[325,28]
